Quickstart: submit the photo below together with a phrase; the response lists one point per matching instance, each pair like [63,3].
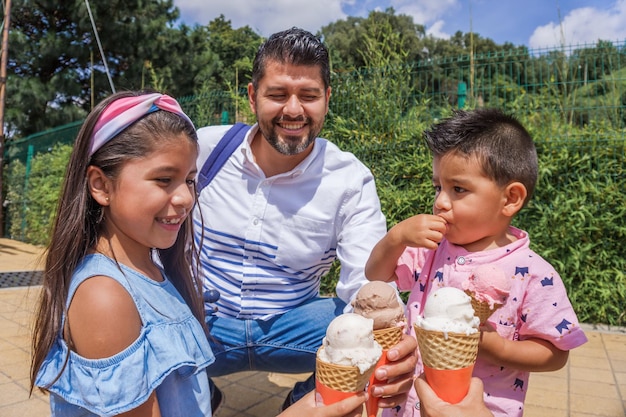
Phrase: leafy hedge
[32,198]
[576,219]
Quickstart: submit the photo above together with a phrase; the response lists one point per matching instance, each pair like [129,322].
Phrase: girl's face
[470,203]
[153,196]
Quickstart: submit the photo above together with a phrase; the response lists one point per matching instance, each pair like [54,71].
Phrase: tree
[55,69]
[345,38]
[222,97]
[236,49]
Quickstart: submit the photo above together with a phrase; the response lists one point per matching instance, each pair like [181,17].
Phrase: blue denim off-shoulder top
[170,355]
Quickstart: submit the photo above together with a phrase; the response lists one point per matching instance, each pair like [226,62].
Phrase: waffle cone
[341,377]
[449,350]
[482,309]
[389,336]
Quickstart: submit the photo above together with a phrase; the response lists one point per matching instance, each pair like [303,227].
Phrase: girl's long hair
[78,222]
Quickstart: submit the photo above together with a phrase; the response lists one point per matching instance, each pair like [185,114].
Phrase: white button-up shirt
[267,242]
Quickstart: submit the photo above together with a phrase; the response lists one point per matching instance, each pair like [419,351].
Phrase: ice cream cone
[389,336]
[448,360]
[386,338]
[488,288]
[336,382]
[483,310]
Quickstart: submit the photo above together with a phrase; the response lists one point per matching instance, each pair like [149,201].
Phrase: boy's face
[470,203]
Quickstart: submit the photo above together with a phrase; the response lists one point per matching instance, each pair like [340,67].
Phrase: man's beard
[289,145]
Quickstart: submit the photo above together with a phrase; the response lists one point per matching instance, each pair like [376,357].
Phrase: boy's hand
[421,231]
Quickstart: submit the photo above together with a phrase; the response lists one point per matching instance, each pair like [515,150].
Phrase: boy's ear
[99,185]
[515,194]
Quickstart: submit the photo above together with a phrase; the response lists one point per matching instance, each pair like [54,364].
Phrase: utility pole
[3,89]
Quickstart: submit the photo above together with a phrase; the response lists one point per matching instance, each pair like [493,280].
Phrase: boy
[484,171]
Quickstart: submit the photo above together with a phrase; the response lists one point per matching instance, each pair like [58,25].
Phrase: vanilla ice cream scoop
[350,341]
[449,309]
[378,300]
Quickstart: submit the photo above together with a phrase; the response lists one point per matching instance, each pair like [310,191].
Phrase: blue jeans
[286,343]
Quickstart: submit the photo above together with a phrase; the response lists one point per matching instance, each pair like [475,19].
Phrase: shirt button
[255,221]
[460,260]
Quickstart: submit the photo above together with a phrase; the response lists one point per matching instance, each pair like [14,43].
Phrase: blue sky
[534,23]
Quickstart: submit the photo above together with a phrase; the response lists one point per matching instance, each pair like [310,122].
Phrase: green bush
[33,197]
[576,219]
[15,183]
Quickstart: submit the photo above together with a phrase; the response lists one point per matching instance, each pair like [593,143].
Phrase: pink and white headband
[125,111]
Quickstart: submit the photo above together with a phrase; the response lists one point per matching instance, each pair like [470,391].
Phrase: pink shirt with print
[538,307]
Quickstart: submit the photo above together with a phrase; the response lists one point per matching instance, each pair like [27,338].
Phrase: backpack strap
[224,148]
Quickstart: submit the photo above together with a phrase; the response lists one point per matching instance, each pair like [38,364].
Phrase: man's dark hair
[292,46]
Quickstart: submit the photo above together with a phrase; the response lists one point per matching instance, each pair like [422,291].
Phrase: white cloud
[263,16]
[424,11]
[581,26]
[428,13]
[435,30]
[266,17]
[602,19]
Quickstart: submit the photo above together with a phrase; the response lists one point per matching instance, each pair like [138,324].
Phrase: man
[279,211]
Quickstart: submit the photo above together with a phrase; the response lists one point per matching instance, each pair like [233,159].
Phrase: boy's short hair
[499,141]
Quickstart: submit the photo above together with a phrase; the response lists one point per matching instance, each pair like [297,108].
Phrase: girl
[118,329]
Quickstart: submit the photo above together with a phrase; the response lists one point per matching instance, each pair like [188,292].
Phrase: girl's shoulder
[103,318]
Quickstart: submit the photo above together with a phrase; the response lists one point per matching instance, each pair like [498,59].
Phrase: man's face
[290,104]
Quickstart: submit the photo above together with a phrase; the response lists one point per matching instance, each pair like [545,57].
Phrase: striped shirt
[267,242]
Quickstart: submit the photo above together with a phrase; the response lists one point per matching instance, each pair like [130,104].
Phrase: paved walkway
[593,383]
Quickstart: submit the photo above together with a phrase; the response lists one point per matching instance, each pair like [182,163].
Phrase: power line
[104,61]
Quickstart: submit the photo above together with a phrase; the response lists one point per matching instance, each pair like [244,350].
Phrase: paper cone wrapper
[335,382]
[386,338]
[482,309]
[371,405]
[448,360]
[451,385]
